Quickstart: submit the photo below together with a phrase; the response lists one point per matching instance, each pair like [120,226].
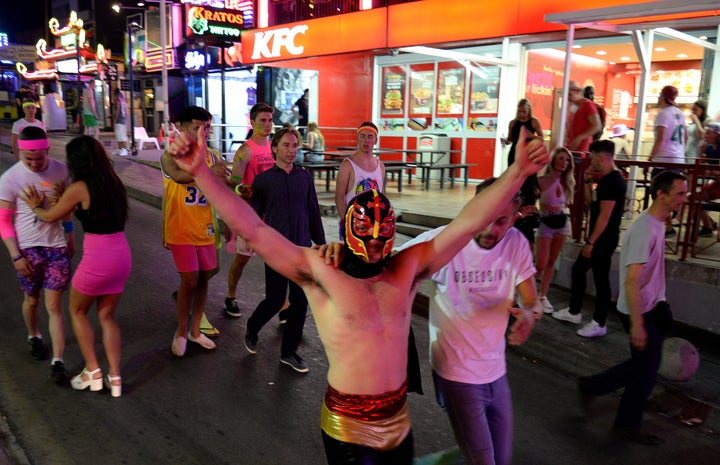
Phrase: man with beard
[362,309]
[470,300]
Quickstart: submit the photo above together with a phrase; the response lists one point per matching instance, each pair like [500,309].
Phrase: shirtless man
[360,171]
[362,309]
[252,158]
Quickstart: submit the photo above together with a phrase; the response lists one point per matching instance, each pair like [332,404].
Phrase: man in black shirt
[284,197]
[606,203]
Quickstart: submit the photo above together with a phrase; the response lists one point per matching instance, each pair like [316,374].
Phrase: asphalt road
[230,407]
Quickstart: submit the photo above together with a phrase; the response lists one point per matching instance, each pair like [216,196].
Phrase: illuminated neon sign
[214,23]
[194,60]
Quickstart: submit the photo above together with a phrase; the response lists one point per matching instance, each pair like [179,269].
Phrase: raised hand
[189,151]
[531,153]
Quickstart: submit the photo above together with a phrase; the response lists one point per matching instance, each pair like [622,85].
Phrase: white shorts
[121,133]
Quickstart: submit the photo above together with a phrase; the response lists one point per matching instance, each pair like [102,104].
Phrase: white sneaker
[123,153]
[565,315]
[592,329]
[546,305]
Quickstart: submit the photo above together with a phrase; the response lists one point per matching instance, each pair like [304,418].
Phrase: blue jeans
[481,418]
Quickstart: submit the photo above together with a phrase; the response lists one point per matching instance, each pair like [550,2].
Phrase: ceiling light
[624,58]
[681,55]
[611,62]
[601,52]
[660,49]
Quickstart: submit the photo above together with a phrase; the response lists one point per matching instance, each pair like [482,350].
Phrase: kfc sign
[316,37]
[270,44]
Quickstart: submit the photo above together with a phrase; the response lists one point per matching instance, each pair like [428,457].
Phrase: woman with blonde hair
[315,143]
[557,184]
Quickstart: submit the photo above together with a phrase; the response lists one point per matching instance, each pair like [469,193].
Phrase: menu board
[422,89]
[484,90]
[450,89]
[393,93]
[686,81]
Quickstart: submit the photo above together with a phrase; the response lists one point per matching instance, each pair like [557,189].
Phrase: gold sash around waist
[385,434]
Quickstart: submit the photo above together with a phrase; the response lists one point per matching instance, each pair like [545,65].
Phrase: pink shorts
[189,258]
[105,265]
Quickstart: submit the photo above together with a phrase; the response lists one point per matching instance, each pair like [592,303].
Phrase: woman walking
[98,198]
[557,184]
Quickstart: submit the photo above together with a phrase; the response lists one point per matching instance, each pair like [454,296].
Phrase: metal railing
[638,198]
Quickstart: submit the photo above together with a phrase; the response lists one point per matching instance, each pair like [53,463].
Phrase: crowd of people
[266,205]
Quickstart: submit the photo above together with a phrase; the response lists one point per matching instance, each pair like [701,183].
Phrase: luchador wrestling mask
[369,217]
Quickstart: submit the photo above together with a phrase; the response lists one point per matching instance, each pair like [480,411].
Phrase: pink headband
[367,128]
[36,144]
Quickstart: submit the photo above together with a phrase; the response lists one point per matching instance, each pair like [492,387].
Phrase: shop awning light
[637,10]
[453,55]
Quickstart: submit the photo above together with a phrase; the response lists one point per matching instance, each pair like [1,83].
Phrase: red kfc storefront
[439,68]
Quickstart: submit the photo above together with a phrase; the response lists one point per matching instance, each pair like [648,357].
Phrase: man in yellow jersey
[189,232]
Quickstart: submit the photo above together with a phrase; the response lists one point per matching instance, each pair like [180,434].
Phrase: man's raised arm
[531,155]
[282,255]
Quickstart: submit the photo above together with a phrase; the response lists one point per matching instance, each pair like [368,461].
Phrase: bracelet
[18,258]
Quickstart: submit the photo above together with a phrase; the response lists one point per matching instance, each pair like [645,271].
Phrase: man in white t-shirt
[643,310]
[40,252]
[30,108]
[471,300]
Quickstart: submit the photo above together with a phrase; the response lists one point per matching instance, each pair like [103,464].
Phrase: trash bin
[439,145]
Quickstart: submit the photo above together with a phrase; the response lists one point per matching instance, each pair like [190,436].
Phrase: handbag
[554,221]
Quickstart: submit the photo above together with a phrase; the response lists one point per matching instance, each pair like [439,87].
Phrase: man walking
[644,312]
[284,196]
[362,309]
[189,233]
[40,252]
[252,158]
[471,299]
[606,204]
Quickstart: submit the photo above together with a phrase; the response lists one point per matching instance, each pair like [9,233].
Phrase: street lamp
[130,26]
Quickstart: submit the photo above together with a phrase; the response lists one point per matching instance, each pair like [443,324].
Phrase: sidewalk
[553,343]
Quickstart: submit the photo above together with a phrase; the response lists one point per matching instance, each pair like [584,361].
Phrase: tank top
[554,194]
[103,222]
[261,160]
[365,180]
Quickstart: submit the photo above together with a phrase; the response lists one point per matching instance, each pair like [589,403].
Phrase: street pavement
[228,406]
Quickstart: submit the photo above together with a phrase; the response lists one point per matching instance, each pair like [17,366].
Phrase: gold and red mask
[369,216]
